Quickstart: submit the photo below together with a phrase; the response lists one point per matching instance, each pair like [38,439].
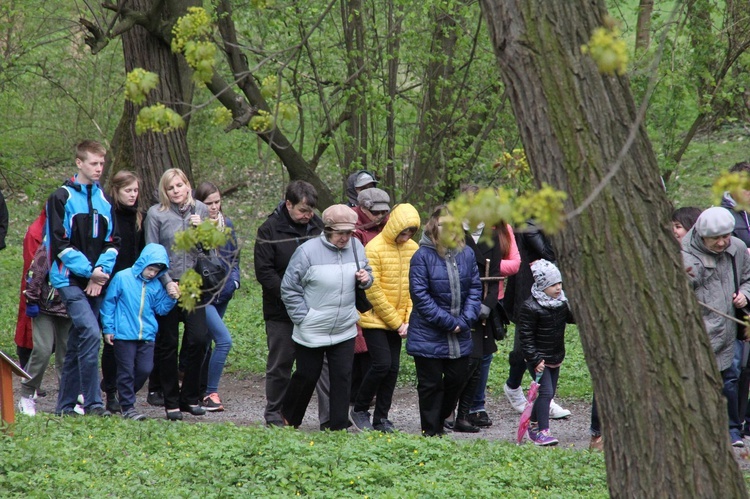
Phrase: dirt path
[244,401]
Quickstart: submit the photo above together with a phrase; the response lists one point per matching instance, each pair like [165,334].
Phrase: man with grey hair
[719,269]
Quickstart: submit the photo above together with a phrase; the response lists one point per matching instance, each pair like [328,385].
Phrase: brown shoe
[596,444]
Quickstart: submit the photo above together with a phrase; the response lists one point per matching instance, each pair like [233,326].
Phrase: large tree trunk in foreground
[151,153]
[664,418]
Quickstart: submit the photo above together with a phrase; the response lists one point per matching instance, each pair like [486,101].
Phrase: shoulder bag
[361,301]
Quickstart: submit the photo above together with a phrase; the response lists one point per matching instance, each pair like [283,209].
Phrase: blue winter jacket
[81,233]
[130,306]
[446,292]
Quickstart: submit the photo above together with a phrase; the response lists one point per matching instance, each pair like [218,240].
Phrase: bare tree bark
[392,47]
[654,375]
[643,25]
[435,112]
[151,153]
[355,141]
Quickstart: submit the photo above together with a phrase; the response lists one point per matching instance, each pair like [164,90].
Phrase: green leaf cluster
[608,50]
[496,206]
[206,236]
[138,84]
[737,185]
[192,37]
[262,122]
[158,118]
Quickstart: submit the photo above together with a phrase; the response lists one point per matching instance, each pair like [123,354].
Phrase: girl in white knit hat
[541,328]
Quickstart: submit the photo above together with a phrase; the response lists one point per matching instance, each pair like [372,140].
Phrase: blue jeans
[730,378]
[135,359]
[81,367]
[479,394]
[219,333]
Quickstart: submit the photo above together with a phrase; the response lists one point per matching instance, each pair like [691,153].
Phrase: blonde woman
[177,211]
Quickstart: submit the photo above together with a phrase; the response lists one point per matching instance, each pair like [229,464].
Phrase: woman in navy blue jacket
[447,294]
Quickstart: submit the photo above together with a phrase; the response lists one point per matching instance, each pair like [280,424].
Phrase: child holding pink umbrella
[541,327]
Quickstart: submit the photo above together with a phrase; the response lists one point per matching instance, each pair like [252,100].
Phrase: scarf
[547,301]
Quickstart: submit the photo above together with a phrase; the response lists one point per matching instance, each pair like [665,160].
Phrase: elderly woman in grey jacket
[719,270]
[318,290]
[176,212]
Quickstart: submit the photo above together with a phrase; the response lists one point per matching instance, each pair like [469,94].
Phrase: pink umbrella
[523,424]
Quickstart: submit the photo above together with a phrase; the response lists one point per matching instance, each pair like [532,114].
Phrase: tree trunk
[150,154]
[393,46]
[355,141]
[643,26]
[654,375]
[435,112]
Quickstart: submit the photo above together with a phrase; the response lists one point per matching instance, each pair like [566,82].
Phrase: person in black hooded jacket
[541,329]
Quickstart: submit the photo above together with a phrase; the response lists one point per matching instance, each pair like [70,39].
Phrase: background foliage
[53,93]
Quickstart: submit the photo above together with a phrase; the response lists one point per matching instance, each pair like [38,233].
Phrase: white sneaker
[78,409]
[515,397]
[27,406]
[557,412]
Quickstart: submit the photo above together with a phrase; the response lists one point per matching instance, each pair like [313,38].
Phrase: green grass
[53,457]
[705,160]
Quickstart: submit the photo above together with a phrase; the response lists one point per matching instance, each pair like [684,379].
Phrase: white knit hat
[545,273]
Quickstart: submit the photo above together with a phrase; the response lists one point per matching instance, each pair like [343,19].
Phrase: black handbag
[211,269]
[360,297]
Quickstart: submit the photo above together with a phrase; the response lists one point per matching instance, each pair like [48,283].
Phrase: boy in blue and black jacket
[82,244]
[134,298]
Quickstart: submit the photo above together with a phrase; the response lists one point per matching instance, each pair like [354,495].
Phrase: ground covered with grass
[92,457]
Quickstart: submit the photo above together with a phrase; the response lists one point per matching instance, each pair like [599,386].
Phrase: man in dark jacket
[292,223]
[82,244]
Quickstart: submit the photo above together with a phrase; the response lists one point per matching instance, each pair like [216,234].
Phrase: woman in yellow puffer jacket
[386,324]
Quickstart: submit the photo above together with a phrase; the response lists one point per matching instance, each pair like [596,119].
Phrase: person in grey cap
[719,270]
[357,182]
[373,207]
[318,291]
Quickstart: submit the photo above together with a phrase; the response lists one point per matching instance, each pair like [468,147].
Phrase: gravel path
[244,400]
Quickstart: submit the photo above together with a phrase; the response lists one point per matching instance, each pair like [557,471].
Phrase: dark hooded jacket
[741,221]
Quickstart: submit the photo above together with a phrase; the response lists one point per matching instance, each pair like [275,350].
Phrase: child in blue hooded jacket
[128,315]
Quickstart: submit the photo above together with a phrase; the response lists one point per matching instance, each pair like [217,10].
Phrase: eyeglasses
[343,232]
[379,213]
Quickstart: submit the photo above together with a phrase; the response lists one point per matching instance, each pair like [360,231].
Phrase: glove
[32,310]
[484,312]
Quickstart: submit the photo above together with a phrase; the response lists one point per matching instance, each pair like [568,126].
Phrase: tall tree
[151,153]
[369,108]
[653,371]
[643,25]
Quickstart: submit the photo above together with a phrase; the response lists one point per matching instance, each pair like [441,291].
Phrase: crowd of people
[342,292]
